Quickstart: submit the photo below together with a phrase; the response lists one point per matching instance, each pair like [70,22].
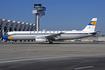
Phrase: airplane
[50,36]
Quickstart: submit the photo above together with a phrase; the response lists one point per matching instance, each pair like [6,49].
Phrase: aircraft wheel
[50,42]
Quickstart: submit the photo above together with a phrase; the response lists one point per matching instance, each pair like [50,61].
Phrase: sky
[59,14]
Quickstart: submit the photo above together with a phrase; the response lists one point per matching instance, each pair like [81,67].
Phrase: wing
[53,35]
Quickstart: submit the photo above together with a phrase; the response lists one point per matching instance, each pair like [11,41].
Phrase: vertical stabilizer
[91,26]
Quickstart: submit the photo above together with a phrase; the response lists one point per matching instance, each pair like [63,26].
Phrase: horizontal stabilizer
[97,32]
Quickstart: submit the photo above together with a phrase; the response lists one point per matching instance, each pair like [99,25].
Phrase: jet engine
[38,39]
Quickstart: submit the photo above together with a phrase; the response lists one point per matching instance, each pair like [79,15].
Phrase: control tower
[39,11]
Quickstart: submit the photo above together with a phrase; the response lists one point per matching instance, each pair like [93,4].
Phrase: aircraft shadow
[56,43]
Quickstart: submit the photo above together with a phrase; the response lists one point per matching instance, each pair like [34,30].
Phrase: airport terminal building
[10,25]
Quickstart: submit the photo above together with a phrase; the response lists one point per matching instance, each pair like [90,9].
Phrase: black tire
[50,42]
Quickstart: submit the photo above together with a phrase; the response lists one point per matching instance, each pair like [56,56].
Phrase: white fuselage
[32,35]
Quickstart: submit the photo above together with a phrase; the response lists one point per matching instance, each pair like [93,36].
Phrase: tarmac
[57,55]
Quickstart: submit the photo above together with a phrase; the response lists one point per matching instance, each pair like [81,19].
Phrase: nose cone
[5,37]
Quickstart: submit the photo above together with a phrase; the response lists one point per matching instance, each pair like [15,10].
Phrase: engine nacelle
[41,40]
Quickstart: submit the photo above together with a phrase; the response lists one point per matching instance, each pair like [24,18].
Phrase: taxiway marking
[84,67]
[26,59]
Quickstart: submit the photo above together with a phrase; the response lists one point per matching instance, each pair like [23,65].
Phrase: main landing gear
[50,42]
